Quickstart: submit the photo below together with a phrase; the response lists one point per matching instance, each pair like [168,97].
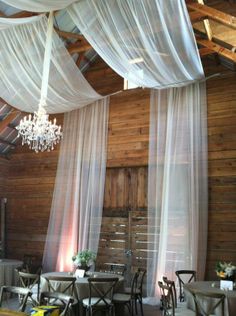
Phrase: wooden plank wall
[3,175]
[221,93]
[31,176]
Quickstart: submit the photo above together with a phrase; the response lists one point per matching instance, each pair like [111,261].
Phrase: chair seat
[94,301]
[135,291]
[121,297]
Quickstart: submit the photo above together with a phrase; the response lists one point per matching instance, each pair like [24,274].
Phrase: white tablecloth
[8,275]
[81,290]
[213,287]
[81,284]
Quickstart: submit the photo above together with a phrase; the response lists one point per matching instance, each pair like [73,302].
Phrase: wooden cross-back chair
[138,291]
[22,293]
[168,302]
[206,303]
[190,275]
[31,264]
[62,284]
[128,299]
[171,284]
[63,301]
[100,295]
[30,281]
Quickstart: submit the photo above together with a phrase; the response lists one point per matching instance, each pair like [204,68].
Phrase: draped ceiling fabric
[21,65]
[77,204]
[150,43]
[39,5]
[177,183]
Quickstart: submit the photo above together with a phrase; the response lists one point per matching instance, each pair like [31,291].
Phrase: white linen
[177,183]
[39,5]
[8,275]
[21,67]
[150,43]
[77,204]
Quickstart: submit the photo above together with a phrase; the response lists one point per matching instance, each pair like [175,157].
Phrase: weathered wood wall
[221,93]
[31,176]
[3,175]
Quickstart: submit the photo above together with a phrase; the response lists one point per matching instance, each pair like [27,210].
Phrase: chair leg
[141,305]
[135,305]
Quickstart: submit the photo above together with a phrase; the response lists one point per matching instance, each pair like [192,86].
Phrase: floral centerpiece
[84,259]
[225,270]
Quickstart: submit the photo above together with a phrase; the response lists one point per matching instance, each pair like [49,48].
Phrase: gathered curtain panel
[39,5]
[77,204]
[21,67]
[177,184]
[150,43]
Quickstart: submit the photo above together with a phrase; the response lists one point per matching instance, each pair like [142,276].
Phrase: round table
[81,290]
[213,287]
[8,275]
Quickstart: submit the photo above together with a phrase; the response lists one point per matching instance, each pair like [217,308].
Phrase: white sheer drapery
[150,43]
[39,5]
[77,204]
[21,66]
[177,183]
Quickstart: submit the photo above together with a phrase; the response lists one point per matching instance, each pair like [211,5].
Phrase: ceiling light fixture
[37,130]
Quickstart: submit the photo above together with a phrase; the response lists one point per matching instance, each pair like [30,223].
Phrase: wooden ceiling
[214,24]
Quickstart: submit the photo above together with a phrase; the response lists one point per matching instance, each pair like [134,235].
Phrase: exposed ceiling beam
[69,35]
[206,23]
[213,14]
[78,47]
[3,141]
[197,16]
[10,117]
[221,51]
[205,51]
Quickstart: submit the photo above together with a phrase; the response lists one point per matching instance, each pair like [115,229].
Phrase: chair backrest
[171,284]
[62,284]
[21,292]
[141,274]
[206,303]
[184,276]
[31,264]
[101,288]
[116,268]
[29,280]
[64,301]
[167,299]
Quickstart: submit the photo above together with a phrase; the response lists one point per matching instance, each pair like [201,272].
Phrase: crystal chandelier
[36,130]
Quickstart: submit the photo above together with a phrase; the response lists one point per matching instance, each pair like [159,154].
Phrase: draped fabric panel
[39,5]
[150,43]
[177,183]
[21,66]
[77,203]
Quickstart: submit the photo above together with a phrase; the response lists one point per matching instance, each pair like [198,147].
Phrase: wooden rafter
[221,51]
[214,14]
[78,47]
[206,23]
[4,123]
[69,35]
[3,141]
[205,51]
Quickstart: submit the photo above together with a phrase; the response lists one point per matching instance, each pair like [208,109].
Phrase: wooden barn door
[123,236]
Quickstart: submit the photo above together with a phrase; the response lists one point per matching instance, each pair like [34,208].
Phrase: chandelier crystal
[38,132]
